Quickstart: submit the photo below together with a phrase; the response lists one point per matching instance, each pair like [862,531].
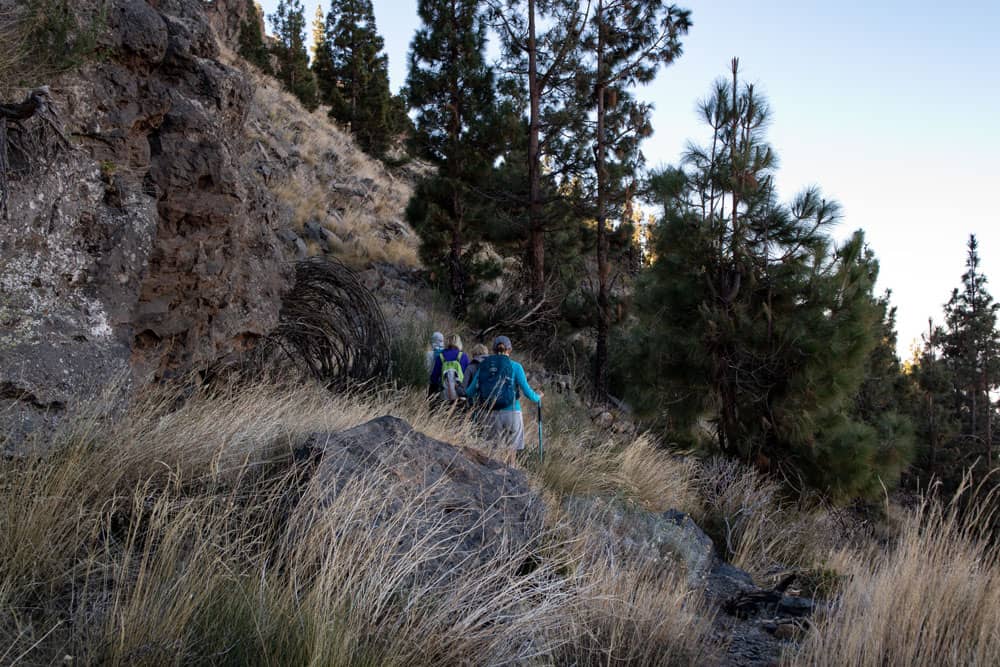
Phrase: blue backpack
[496,382]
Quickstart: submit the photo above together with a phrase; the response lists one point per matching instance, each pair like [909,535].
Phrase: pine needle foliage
[755,327]
[251,39]
[458,126]
[971,347]
[352,72]
[955,377]
[289,24]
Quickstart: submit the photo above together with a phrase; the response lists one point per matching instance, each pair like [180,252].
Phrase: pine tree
[322,57]
[353,75]
[628,40]
[452,90]
[251,39]
[886,398]
[543,63]
[971,348]
[289,23]
[938,423]
[753,325]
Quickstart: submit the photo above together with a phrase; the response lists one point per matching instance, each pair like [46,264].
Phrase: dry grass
[659,480]
[14,57]
[178,533]
[325,178]
[636,617]
[760,531]
[933,599]
[581,460]
[165,536]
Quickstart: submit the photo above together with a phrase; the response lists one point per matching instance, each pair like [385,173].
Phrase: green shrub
[42,38]
[406,350]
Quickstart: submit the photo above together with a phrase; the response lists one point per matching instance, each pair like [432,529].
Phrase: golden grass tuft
[659,480]
[178,531]
[636,617]
[931,599]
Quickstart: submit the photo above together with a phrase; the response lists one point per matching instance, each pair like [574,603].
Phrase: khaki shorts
[507,428]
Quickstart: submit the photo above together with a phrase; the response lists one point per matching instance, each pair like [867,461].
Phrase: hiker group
[489,384]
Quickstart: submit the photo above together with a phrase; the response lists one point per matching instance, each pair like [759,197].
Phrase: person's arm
[464,360]
[522,382]
[470,391]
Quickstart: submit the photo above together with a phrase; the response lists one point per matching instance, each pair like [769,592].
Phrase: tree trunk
[732,165]
[456,268]
[988,436]
[603,270]
[973,433]
[536,241]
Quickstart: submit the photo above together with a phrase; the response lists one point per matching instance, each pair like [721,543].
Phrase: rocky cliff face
[148,247]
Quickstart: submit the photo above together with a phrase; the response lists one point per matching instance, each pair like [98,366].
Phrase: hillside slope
[161,238]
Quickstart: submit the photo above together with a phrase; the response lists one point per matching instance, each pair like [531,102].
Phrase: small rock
[301,251]
[288,236]
[787,631]
[605,420]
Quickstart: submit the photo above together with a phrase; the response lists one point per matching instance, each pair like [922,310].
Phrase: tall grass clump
[578,460]
[185,531]
[932,599]
[630,614]
[407,353]
[583,460]
[757,528]
[658,479]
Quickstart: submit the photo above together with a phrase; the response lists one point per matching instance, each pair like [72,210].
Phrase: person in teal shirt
[506,425]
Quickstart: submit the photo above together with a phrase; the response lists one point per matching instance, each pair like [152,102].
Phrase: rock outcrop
[753,623]
[147,248]
[227,18]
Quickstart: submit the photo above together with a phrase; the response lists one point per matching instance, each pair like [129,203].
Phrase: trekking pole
[541,447]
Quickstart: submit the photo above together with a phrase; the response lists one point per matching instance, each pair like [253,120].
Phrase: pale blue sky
[891,107]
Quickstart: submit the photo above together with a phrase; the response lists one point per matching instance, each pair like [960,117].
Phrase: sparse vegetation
[332,183]
[42,38]
[180,528]
[184,511]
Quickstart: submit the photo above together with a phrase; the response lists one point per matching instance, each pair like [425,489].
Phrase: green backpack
[452,378]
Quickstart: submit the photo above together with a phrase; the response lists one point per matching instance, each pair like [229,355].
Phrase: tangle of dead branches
[330,327]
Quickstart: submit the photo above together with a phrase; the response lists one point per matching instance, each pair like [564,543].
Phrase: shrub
[42,38]
[407,347]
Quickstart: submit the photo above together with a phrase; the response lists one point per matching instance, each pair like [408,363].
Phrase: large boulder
[474,504]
